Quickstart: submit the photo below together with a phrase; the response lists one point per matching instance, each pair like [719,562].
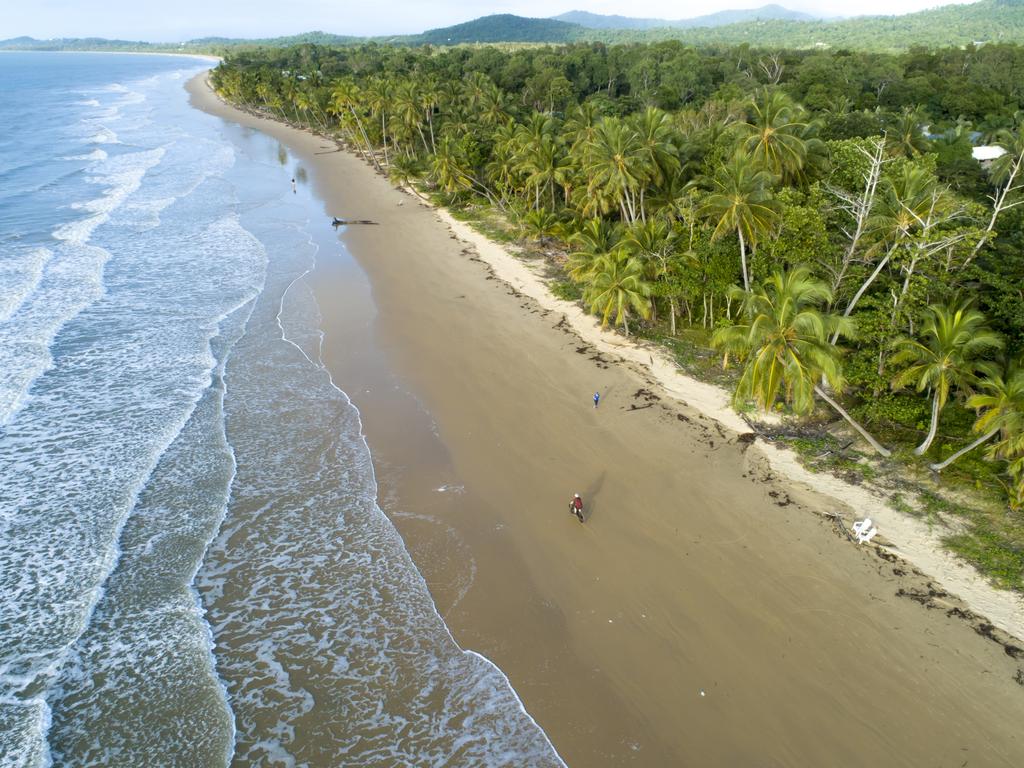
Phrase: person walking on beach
[597,398]
[576,507]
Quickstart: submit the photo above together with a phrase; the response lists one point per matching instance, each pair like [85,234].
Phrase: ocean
[194,569]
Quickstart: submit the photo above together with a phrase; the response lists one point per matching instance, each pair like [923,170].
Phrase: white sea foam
[104,136]
[134,97]
[121,175]
[128,399]
[309,559]
[20,274]
[97,155]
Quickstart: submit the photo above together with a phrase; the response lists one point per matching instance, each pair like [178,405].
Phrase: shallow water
[194,568]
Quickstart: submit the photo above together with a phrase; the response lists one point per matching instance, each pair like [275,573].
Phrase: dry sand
[702,616]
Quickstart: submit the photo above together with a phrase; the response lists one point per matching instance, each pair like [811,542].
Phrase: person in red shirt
[576,506]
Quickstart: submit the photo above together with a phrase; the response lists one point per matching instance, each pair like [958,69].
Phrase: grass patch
[998,556]
[566,290]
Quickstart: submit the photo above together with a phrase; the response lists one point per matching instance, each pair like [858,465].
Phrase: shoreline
[205,56]
[753,583]
[908,538]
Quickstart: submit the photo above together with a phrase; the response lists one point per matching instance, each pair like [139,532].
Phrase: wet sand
[702,616]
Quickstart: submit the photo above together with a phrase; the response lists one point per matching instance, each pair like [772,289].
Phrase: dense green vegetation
[816,218]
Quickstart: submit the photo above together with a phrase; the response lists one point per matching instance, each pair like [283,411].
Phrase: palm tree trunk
[369,146]
[423,139]
[923,447]
[743,259]
[942,465]
[860,430]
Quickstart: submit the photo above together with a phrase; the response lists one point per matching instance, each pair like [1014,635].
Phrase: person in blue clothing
[597,398]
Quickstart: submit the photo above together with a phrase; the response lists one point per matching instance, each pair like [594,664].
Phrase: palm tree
[596,238]
[403,171]
[657,139]
[617,285]
[345,97]
[653,242]
[905,133]
[1000,407]
[950,356]
[545,166]
[446,168]
[540,225]
[378,99]
[774,135]
[502,170]
[616,166]
[784,341]
[581,125]
[408,107]
[741,202]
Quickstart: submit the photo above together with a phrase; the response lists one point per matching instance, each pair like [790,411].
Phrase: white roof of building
[990,152]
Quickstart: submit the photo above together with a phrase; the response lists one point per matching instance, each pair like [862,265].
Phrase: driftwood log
[336,222]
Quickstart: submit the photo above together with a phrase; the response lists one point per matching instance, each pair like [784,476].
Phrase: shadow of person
[590,495]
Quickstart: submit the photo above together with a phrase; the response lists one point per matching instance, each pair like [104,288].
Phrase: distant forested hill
[85,44]
[599,21]
[502,28]
[951,25]
[199,45]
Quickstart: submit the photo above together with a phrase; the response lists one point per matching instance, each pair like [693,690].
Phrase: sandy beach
[703,615]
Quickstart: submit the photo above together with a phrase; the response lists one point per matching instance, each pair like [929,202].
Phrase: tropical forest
[835,235]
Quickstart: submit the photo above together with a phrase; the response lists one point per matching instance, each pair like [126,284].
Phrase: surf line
[321,366]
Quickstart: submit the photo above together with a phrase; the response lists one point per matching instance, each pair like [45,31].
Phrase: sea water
[194,570]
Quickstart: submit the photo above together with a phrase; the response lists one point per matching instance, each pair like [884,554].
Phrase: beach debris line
[336,222]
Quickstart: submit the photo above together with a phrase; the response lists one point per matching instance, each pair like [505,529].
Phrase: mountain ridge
[717,19]
[958,25]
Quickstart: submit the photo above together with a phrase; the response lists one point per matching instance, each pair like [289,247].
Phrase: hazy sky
[174,20]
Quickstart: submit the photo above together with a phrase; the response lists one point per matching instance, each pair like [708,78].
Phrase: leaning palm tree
[784,341]
[950,355]
[617,286]
[1000,407]
[597,237]
[378,99]
[403,171]
[741,202]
